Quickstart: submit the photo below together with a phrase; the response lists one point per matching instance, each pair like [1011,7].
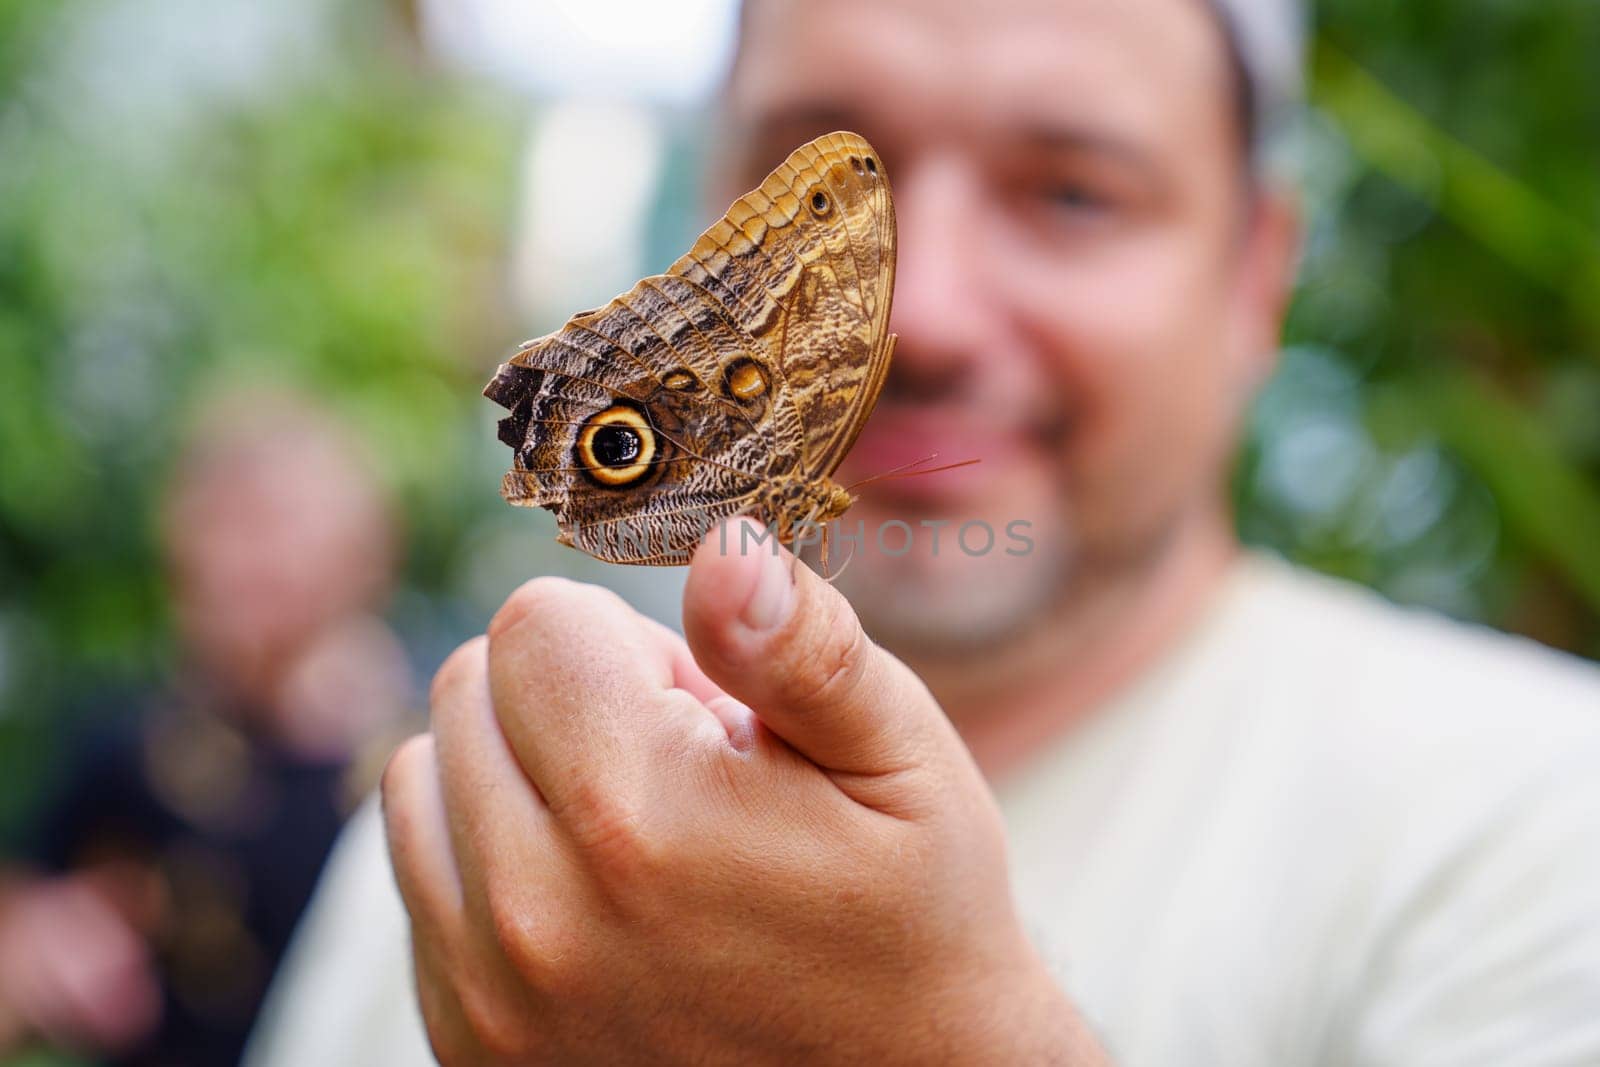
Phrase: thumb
[780,639]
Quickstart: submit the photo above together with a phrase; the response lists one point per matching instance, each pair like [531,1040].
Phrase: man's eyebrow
[816,117]
[1085,140]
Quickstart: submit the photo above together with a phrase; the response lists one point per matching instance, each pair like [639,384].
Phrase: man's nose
[940,309]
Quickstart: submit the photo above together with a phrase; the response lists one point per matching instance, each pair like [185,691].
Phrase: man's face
[1080,300]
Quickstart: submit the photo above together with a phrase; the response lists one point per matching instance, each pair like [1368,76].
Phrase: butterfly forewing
[805,263]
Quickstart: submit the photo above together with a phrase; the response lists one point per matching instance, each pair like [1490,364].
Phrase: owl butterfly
[733,383]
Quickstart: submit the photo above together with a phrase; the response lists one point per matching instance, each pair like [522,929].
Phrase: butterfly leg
[830,578]
[807,523]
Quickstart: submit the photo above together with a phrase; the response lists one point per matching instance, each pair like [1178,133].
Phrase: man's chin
[986,581]
[954,619]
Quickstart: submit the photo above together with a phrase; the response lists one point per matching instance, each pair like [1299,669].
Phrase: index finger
[587,695]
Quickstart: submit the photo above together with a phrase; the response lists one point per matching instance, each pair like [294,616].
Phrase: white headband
[1271,41]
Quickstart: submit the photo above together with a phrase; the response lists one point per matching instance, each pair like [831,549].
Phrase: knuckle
[537,599]
[530,946]
[444,1038]
[496,1029]
[445,1046]
[528,601]
[441,1015]
[622,848]
[513,924]
[408,760]
[834,660]
[459,666]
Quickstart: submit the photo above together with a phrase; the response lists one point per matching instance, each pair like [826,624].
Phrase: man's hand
[608,857]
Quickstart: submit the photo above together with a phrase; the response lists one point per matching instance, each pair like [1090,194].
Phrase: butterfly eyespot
[681,381]
[872,166]
[855,165]
[819,203]
[617,447]
[745,380]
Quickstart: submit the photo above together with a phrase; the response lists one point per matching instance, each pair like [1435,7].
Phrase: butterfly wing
[755,358]
[805,264]
[622,423]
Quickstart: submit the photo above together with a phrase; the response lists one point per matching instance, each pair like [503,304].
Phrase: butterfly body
[733,383]
[792,500]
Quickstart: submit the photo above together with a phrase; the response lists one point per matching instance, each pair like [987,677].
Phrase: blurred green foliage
[1435,430]
[341,231]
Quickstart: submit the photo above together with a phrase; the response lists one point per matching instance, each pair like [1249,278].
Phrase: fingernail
[773,596]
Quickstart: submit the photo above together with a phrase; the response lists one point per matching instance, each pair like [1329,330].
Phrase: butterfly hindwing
[623,423]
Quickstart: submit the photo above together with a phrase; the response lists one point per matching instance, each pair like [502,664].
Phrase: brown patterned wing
[745,370]
[805,265]
[643,423]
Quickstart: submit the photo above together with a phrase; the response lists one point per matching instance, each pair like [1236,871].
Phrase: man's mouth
[912,453]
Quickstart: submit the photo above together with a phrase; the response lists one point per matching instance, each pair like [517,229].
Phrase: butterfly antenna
[907,470]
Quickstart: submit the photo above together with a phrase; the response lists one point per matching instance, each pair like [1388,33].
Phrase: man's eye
[1076,198]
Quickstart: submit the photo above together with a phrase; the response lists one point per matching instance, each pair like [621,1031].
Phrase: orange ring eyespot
[745,380]
[617,447]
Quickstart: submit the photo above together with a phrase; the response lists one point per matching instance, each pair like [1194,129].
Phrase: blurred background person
[172,862]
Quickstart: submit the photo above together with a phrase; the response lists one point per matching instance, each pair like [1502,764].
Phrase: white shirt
[1323,831]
